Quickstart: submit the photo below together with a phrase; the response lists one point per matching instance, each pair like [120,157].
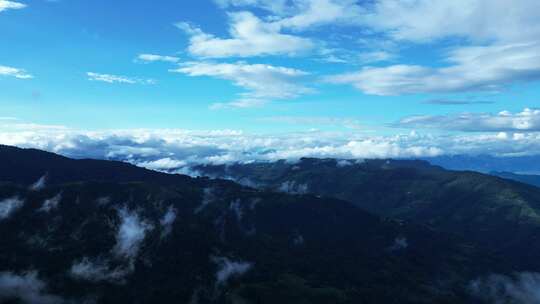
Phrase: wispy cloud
[229,269]
[27,288]
[6,5]
[449,102]
[97,271]
[263,82]
[471,69]
[499,289]
[527,120]
[425,21]
[117,79]
[14,72]
[9,206]
[349,123]
[157,58]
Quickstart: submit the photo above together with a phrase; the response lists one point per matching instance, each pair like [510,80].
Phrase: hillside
[500,214]
[114,233]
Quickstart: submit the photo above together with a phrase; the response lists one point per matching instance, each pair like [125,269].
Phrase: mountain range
[316,231]
[500,214]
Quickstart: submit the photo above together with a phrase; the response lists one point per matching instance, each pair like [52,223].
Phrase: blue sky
[362,68]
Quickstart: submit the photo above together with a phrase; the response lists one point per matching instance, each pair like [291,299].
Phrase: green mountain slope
[500,214]
[122,234]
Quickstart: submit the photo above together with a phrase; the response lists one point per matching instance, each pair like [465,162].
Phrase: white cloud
[443,101]
[263,82]
[40,184]
[163,164]
[9,206]
[527,120]
[141,146]
[250,36]
[500,45]
[523,288]
[242,103]
[117,79]
[154,58]
[27,288]
[275,6]
[131,234]
[167,221]
[312,13]
[229,269]
[376,56]
[477,20]
[304,14]
[50,204]
[483,68]
[400,243]
[5,5]
[13,72]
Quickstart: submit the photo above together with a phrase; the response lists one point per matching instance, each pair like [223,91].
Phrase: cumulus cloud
[249,36]
[10,71]
[108,78]
[6,5]
[9,206]
[51,203]
[27,288]
[229,269]
[130,235]
[262,82]
[521,288]
[505,121]
[157,58]
[501,46]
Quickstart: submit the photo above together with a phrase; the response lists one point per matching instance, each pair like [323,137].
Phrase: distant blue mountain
[524,178]
[487,163]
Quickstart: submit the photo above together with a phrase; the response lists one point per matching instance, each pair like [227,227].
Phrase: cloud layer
[174,149]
